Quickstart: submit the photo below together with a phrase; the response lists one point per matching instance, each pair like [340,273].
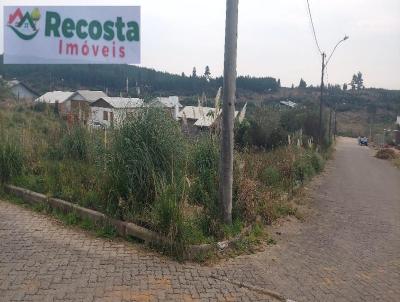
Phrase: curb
[123,228]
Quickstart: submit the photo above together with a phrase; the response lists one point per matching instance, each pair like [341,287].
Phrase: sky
[275,37]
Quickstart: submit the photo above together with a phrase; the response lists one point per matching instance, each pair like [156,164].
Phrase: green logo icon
[24,25]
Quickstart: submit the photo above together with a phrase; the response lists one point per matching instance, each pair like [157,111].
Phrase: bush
[386,154]
[11,160]
[271,177]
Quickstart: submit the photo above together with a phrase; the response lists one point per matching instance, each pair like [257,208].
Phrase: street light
[321,104]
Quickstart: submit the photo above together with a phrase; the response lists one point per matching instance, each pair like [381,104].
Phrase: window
[105,116]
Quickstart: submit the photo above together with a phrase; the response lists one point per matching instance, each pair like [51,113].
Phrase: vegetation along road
[348,250]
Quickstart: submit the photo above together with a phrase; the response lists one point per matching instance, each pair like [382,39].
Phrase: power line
[313,27]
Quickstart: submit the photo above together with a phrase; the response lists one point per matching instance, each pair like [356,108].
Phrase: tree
[353,82]
[357,81]
[207,73]
[292,86]
[279,83]
[360,81]
[302,84]
[194,73]
[344,87]
[183,75]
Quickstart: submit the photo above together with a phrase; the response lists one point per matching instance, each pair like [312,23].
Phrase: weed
[11,159]
[106,231]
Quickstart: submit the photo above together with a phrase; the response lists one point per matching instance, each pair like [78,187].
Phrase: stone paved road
[348,251]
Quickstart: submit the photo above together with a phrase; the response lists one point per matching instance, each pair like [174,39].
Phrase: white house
[170,104]
[112,111]
[57,98]
[197,118]
[289,104]
[21,91]
[72,105]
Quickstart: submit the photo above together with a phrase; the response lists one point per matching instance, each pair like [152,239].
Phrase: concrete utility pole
[321,105]
[228,110]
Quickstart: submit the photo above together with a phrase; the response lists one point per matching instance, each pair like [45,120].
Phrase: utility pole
[321,102]
[330,125]
[228,110]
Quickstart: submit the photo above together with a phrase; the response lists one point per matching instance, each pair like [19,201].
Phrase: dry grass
[387,154]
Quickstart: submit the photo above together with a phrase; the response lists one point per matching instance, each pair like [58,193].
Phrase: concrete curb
[123,228]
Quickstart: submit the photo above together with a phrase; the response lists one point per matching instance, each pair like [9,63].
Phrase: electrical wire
[313,27]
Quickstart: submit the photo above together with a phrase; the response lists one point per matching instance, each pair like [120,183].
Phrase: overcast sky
[275,37]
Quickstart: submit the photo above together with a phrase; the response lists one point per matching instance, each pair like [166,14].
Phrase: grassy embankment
[148,173]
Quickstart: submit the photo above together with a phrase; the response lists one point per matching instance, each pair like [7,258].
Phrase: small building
[195,119]
[398,121]
[73,106]
[21,91]
[170,104]
[79,104]
[112,111]
[58,99]
[288,103]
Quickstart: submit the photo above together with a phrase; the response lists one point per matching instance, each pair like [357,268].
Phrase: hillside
[358,110]
[113,78]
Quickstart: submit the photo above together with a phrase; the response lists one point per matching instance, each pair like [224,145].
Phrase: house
[289,104]
[112,111]
[21,91]
[170,104]
[398,121]
[79,104]
[195,119]
[58,99]
[73,106]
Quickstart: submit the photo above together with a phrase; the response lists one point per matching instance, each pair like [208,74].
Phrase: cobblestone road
[349,250]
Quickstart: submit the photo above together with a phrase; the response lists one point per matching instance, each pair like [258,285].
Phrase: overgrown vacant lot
[148,173]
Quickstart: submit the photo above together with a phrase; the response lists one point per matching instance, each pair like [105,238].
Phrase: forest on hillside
[114,77]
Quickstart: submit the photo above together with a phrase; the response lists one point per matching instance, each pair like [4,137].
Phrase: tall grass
[146,152]
[11,159]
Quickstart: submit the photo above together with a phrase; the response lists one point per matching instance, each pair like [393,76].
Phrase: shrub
[11,160]
[303,169]
[271,177]
[317,161]
[386,154]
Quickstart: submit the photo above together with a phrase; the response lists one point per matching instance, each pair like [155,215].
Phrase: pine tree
[194,73]
[207,73]
[302,84]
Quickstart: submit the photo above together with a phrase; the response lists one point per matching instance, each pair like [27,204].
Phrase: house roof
[13,83]
[121,103]
[55,96]
[204,116]
[289,104]
[168,102]
[195,112]
[91,95]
